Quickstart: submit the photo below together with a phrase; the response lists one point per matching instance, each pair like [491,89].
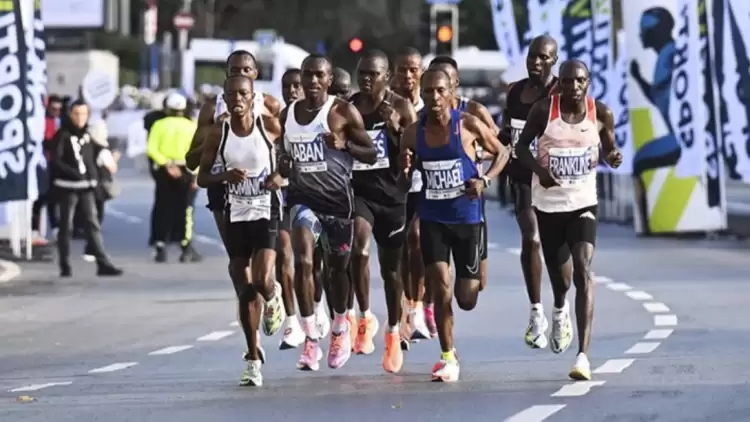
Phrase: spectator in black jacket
[75,163]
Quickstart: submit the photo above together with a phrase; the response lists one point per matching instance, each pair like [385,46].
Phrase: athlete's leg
[552,231]
[483,254]
[581,237]
[220,220]
[436,249]
[293,334]
[322,318]
[367,325]
[531,266]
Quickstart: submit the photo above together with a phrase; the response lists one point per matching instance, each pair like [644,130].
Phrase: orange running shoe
[393,358]
[366,329]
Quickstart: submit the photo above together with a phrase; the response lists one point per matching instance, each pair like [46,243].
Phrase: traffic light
[444,29]
[355,45]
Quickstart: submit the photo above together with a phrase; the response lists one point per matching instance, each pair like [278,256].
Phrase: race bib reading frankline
[571,166]
[516,127]
[443,179]
[250,200]
[308,152]
[380,141]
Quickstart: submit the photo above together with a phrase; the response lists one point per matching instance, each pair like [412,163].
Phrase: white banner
[619,104]
[506,30]
[73,13]
[686,114]
[602,58]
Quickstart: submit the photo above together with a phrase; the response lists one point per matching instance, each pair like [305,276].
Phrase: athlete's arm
[283,158]
[273,130]
[408,146]
[606,120]
[480,111]
[208,157]
[205,117]
[360,145]
[504,135]
[487,139]
[406,113]
[536,123]
[272,105]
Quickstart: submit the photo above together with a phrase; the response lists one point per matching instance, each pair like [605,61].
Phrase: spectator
[52,123]
[75,176]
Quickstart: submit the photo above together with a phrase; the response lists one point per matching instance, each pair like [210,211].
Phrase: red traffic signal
[355,44]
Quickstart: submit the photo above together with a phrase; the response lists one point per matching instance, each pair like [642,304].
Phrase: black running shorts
[334,233]
[440,241]
[388,223]
[560,231]
[215,194]
[247,237]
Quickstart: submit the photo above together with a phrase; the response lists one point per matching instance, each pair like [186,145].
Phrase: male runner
[443,142]
[522,95]
[379,205]
[323,135]
[341,86]
[421,320]
[571,126]
[245,147]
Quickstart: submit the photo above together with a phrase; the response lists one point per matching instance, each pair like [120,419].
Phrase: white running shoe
[446,371]
[582,369]
[418,324]
[252,375]
[293,335]
[562,330]
[273,312]
[322,321]
[536,332]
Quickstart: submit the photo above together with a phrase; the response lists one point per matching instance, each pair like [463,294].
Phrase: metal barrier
[615,198]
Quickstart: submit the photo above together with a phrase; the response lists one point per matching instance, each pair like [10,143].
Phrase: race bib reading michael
[380,140]
[250,200]
[571,165]
[308,152]
[443,179]
[516,127]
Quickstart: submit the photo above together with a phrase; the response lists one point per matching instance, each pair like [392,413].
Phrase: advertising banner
[506,30]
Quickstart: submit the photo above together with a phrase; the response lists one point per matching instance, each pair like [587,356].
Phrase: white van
[273,61]
[479,69]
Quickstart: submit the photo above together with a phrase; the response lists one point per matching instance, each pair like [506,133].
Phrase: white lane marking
[234,324]
[618,287]
[36,387]
[642,348]
[577,389]
[215,335]
[665,320]
[600,279]
[655,307]
[170,350]
[639,295]
[536,413]
[659,334]
[10,270]
[114,367]
[614,366]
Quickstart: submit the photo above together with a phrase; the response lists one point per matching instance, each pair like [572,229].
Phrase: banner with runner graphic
[664,202]
[22,127]
[731,34]
[506,30]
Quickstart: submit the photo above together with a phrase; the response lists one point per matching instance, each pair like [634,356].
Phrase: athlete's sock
[351,313]
[292,322]
[340,323]
[365,314]
[394,329]
[310,328]
[418,305]
[537,307]
[320,308]
[564,309]
[448,356]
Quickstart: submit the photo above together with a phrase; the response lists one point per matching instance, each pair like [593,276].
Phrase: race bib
[516,127]
[308,152]
[416,181]
[249,200]
[380,141]
[571,166]
[217,167]
[443,179]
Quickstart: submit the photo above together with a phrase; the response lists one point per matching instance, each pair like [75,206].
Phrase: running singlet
[571,153]
[321,176]
[249,200]
[446,169]
[518,111]
[416,176]
[463,106]
[379,181]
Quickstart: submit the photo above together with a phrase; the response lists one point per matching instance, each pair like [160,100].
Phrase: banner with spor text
[665,123]
[619,105]
[22,127]
[731,38]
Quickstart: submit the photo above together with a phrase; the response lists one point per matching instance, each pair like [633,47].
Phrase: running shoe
[352,323]
[536,336]
[340,349]
[364,344]
[417,319]
[562,330]
[582,369]
[273,312]
[393,358]
[311,356]
[322,321]
[429,316]
[446,371]
[252,375]
[293,335]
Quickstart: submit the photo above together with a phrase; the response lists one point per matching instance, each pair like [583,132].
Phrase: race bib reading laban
[571,165]
[516,127]
[308,152]
[380,141]
[443,179]
[250,200]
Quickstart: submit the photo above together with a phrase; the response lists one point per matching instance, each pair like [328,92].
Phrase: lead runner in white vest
[570,126]
[245,145]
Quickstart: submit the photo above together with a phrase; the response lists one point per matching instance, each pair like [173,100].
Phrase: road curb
[8,271]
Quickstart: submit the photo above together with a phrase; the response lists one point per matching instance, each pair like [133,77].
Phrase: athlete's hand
[274,181]
[234,175]
[407,160]
[474,187]
[174,171]
[505,136]
[334,141]
[614,158]
[389,115]
[547,179]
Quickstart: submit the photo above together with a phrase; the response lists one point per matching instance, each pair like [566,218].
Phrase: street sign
[436,2]
[264,37]
[183,21]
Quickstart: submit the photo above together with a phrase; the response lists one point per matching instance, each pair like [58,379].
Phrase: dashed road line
[642,348]
[171,350]
[577,389]
[37,387]
[234,324]
[215,335]
[618,287]
[114,367]
[639,295]
[614,366]
[658,334]
[665,320]
[536,413]
[655,307]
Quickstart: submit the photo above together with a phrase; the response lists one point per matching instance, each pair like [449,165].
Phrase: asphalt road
[669,342]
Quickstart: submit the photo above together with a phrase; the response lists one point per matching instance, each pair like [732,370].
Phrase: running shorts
[244,238]
[334,233]
[215,194]
[440,241]
[560,231]
[388,222]
[412,201]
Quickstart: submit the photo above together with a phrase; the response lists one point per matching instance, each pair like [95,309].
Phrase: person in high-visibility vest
[168,142]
